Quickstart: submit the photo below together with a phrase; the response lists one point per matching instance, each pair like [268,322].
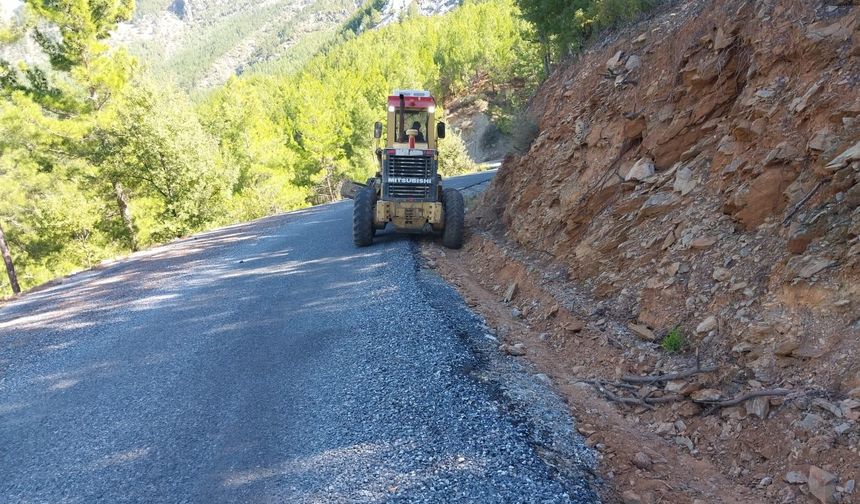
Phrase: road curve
[270,361]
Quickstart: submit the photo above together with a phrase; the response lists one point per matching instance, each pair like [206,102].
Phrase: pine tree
[10,266]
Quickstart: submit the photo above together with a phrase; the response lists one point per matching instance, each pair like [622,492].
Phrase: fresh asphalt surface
[265,362]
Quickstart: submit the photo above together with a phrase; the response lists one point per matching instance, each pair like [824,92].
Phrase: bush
[453,158]
[524,132]
[674,341]
[564,27]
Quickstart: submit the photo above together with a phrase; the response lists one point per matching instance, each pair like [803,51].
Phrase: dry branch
[665,399]
[668,377]
[738,400]
[603,383]
[635,401]
[803,200]
[646,402]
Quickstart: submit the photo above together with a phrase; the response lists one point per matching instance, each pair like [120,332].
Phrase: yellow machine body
[409,215]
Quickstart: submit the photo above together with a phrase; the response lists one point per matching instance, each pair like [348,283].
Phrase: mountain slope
[201,43]
[204,42]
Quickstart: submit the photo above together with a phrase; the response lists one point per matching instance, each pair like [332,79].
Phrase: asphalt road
[269,362]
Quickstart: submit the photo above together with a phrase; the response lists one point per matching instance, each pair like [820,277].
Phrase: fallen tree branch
[662,399]
[668,377]
[601,385]
[745,397]
[634,401]
[803,200]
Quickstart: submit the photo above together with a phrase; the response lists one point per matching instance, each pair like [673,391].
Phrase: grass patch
[674,341]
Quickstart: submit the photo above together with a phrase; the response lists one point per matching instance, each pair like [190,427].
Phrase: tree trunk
[10,267]
[547,62]
[125,213]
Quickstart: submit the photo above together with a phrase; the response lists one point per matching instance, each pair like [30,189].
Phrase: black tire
[362,217]
[454,208]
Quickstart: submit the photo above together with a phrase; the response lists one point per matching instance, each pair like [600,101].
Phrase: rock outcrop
[731,148]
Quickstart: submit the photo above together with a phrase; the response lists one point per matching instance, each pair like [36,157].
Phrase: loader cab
[412,113]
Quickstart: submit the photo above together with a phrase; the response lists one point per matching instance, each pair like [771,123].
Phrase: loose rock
[707,325]
[643,461]
[517,349]
[758,406]
[844,159]
[822,485]
[510,292]
[684,182]
[631,497]
[574,325]
[703,242]
[642,332]
[706,395]
[828,406]
[721,274]
[795,478]
[633,63]
[641,170]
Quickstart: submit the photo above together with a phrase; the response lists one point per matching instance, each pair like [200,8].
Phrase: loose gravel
[259,363]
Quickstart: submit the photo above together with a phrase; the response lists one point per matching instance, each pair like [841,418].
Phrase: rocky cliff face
[701,170]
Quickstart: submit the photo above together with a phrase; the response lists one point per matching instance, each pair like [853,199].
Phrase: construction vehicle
[407,194]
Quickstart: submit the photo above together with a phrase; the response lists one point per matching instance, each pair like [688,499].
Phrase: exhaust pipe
[402,131]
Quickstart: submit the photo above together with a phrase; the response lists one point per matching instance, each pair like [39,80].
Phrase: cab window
[412,119]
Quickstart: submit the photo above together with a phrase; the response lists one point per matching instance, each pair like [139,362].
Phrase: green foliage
[674,341]
[308,127]
[86,133]
[324,113]
[453,158]
[99,155]
[255,129]
[152,142]
[365,18]
[145,7]
[10,32]
[565,25]
[306,48]
[82,25]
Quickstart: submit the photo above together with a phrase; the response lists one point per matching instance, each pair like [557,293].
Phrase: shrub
[453,158]
[525,131]
[674,341]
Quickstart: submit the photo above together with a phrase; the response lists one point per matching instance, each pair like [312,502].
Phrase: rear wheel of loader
[362,217]
[452,204]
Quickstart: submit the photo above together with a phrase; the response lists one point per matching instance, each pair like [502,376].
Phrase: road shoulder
[636,464]
[527,396]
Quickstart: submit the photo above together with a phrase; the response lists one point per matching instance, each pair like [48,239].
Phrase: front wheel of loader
[362,217]
[452,204]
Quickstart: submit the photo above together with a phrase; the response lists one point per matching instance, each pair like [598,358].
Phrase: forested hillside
[101,154]
[100,158]
[199,44]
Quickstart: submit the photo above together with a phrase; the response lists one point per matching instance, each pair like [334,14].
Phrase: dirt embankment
[700,171]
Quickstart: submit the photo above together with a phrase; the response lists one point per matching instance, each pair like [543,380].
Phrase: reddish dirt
[732,451]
